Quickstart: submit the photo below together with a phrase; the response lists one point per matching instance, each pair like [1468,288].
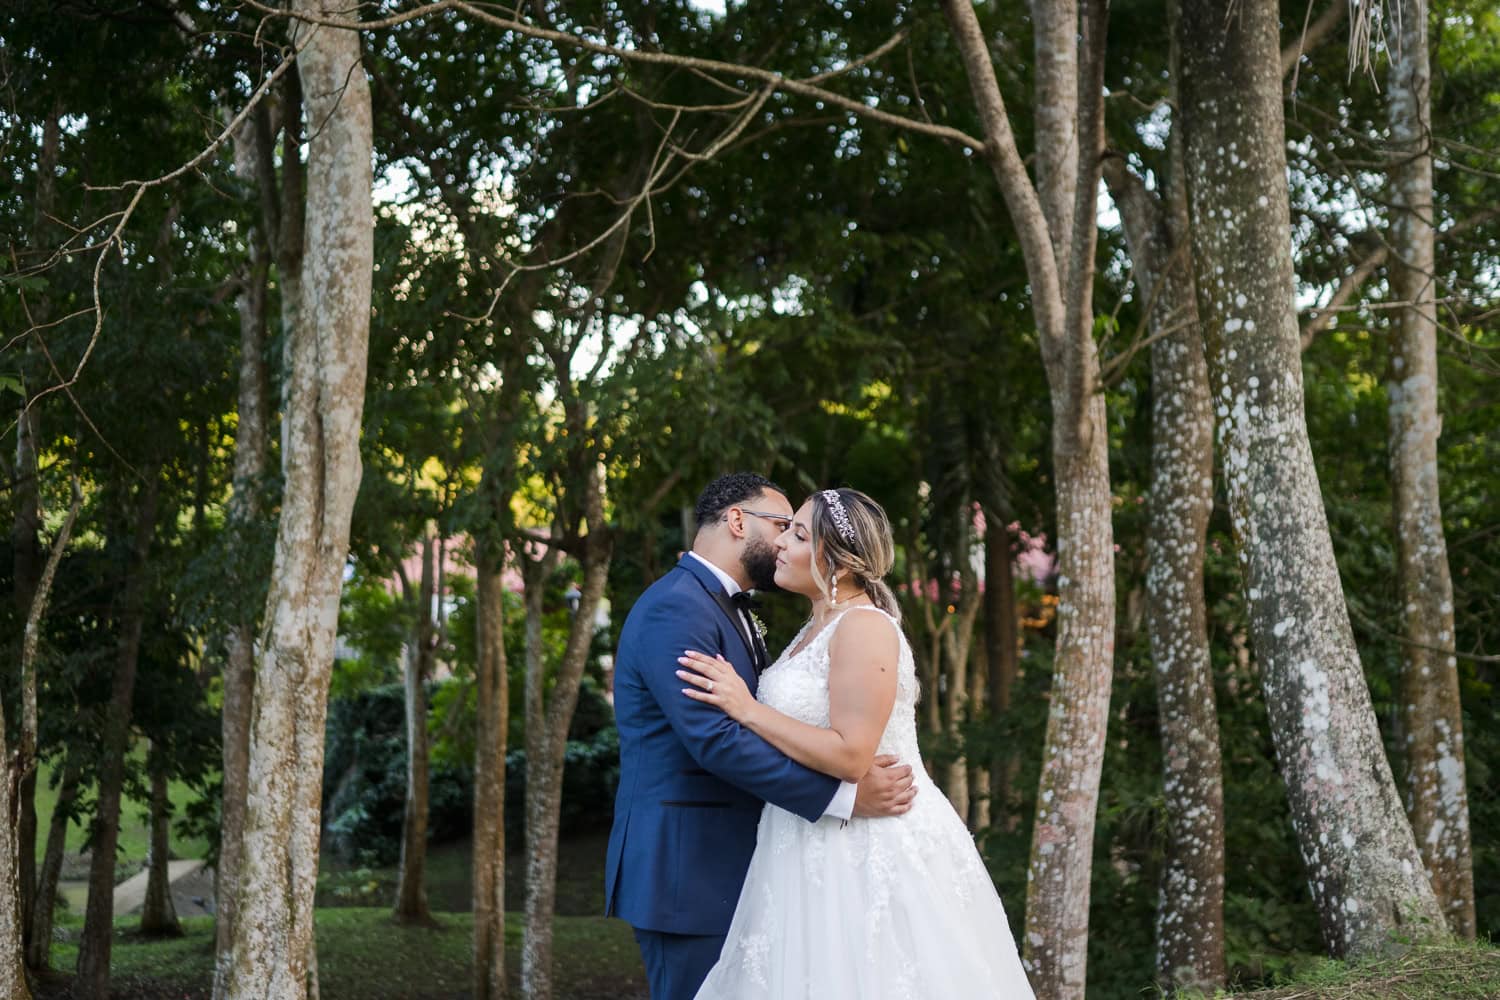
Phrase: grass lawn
[135,831]
[363,955]
[1440,972]
[580,878]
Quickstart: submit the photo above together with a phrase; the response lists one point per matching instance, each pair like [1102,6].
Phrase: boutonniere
[760,626]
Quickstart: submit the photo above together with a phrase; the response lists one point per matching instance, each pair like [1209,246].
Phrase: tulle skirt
[880,909]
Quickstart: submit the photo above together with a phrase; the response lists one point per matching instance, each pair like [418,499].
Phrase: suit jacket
[692,780]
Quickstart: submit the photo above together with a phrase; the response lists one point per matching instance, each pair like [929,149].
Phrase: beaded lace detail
[875,909]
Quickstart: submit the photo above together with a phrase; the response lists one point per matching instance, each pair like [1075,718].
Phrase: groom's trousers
[677,964]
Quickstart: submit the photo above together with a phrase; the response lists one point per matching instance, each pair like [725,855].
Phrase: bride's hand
[714,681]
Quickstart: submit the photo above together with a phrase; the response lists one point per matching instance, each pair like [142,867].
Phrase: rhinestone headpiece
[840,516]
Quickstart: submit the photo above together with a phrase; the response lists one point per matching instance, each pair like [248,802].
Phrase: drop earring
[833,580]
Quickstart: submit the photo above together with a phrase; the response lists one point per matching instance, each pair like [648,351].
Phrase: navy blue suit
[692,783]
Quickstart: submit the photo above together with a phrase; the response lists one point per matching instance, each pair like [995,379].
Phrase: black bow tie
[743,601]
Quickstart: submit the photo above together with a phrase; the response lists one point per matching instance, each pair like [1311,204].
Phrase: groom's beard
[759,560]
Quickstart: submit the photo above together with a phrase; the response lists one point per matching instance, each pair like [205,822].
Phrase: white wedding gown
[880,909]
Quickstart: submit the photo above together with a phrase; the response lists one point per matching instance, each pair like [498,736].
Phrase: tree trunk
[39,946]
[98,925]
[1432,718]
[411,891]
[1364,870]
[1002,655]
[26,546]
[158,914]
[957,643]
[273,933]
[12,947]
[979,773]
[291,233]
[546,739]
[1058,235]
[1190,913]
[37,934]
[251,443]
[493,716]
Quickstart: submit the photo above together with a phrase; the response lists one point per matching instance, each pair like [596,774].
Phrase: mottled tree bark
[39,946]
[1432,718]
[411,889]
[158,914]
[252,157]
[13,984]
[547,723]
[1364,870]
[1190,913]
[273,932]
[493,717]
[1058,234]
[98,924]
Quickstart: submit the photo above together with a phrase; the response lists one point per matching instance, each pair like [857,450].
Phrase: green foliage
[364,770]
[364,780]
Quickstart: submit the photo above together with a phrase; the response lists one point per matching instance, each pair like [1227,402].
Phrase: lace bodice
[873,909]
[797,685]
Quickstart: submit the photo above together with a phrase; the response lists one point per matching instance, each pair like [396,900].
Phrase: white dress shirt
[842,806]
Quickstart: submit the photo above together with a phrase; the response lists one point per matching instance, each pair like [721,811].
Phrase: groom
[692,780]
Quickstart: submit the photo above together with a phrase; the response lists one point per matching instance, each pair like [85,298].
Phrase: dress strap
[858,607]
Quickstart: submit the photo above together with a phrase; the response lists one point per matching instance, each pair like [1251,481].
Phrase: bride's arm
[861,691]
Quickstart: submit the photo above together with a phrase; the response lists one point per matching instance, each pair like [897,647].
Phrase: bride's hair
[853,534]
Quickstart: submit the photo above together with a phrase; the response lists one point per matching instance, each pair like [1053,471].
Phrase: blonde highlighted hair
[850,533]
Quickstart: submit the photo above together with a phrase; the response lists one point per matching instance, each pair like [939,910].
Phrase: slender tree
[1363,867]
[254,167]
[1432,718]
[273,935]
[1190,915]
[158,914]
[421,653]
[1054,220]
[493,717]
[98,926]
[39,948]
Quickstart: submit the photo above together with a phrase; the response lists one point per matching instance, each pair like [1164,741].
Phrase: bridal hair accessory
[840,516]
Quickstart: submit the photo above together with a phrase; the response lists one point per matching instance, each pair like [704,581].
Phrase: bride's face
[794,556]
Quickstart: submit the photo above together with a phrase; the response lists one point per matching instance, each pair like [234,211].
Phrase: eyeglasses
[780,520]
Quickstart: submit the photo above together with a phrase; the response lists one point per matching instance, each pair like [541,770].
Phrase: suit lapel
[710,583]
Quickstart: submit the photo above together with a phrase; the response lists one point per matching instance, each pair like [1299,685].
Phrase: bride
[867,908]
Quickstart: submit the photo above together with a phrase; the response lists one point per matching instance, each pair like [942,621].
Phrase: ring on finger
[709,687]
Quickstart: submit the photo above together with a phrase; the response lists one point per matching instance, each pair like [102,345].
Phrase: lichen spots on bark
[1362,862]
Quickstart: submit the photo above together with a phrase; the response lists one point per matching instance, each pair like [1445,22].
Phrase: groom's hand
[885,790]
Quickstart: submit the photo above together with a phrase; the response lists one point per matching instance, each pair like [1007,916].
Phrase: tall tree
[1190,910]
[1432,718]
[158,914]
[13,984]
[1363,867]
[1190,916]
[421,654]
[255,168]
[98,926]
[492,721]
[273,934]
[1054,220]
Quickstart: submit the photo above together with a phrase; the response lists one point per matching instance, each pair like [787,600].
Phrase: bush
[364,780]
[364,776]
